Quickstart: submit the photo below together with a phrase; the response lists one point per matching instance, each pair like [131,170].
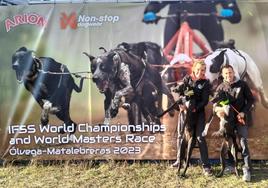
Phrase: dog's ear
[102,48]
[116,57]
[124,45]
[91,58]
[24,49]
[30,52]
[116,60]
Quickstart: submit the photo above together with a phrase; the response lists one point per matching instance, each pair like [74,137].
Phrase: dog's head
[23,64]
[137,49]
[104,69]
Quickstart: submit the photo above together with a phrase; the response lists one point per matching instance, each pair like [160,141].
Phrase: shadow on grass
[259,174]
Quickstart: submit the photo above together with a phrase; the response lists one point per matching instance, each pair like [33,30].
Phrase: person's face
[228,74]
[199,71]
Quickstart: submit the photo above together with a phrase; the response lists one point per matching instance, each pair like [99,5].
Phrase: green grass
[121,174]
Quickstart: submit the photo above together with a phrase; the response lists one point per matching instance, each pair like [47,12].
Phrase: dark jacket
[201,90]
[197,6]
[239,95]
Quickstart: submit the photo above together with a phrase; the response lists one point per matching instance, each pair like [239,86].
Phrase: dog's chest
[34,87]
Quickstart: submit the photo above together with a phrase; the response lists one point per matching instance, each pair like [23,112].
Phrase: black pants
[242,131]
[210,27]
[197,124]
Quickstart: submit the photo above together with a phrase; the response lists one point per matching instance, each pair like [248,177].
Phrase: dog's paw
[47,105]
[126,106]
[106,121]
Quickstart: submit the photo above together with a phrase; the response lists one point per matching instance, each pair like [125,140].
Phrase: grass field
[121,174]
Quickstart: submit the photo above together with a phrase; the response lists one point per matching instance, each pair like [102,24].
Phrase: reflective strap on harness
[225,102]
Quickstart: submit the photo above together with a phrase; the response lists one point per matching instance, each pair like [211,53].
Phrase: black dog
[152,54]
[118,74]
[49,82]
[150,51]
[227,129]
[229,146]
[186,135]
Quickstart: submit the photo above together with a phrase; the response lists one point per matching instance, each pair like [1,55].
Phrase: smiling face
[228,74]
[199,70]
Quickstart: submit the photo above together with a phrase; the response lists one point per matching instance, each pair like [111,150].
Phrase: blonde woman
[201,90]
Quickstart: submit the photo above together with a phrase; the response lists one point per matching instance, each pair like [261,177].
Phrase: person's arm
[232,5]
[155,7]
[205,97]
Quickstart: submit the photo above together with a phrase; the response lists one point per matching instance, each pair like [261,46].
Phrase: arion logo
[28,18]
[74,21]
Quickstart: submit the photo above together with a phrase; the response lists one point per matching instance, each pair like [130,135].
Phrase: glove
[240,118]
[150,17]
[182,107]
[241,114]
[226,13]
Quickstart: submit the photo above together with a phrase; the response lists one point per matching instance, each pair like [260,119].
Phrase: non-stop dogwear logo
[85,21]
[70,20]
[27,18]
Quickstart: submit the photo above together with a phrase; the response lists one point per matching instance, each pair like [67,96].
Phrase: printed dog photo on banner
[88,81]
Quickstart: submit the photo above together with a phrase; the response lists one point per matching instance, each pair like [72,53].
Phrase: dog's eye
[102,67]
[93,67]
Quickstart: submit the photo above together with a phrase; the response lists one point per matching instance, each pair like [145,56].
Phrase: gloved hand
[240,118]
[226,13]
[150,17]
[182,107]
[241,115]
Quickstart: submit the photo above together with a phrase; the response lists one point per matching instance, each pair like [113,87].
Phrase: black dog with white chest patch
[49,82]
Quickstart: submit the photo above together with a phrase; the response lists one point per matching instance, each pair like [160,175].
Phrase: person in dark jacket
[241,99]
[201,90]
[209,26]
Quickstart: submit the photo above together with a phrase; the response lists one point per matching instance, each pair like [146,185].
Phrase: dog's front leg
[116,100]
[107,105]
[124,76]
[45,112]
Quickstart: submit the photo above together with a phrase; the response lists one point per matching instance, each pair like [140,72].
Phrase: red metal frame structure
[183,41]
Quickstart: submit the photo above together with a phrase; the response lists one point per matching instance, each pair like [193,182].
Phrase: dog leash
[143,71]
[76,74]
[240,120]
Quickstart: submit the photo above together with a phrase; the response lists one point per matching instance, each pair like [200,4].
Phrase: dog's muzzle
[19,73]
[101,84]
